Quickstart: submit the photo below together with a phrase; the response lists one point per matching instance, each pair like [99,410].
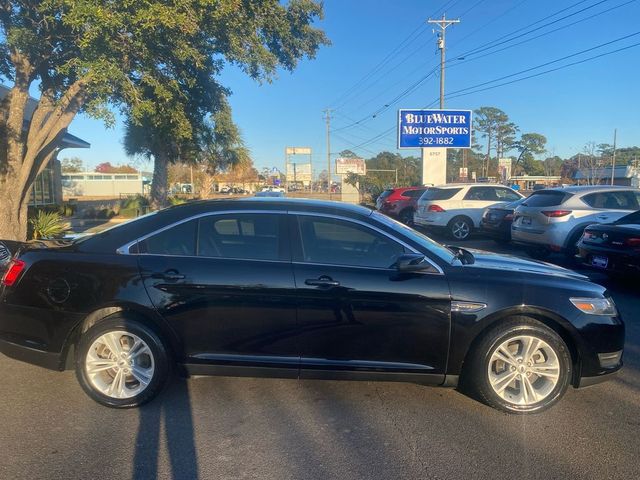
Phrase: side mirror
[412,262]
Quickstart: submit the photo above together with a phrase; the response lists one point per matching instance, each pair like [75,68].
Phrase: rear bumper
[552,240]
[499,231]
[50,360]
[432,219]
[617,261]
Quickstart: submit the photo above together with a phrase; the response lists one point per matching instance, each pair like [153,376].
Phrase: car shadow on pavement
[173,410]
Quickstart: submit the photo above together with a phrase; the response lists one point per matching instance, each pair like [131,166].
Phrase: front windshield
[436,248]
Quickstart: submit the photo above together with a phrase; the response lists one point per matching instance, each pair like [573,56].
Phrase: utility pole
[613,158]
[443,24]
[327,118]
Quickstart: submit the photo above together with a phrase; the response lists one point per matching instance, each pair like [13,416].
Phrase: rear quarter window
[546,198]
[439,194]
[620,200]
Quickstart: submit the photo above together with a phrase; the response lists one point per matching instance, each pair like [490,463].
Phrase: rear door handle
[169,275]
[321,282]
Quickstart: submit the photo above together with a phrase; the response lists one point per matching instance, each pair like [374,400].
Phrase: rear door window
[177,240]
[482,194]
[506,195]
[546,198]
[439,194]
[621,200]
[252,236]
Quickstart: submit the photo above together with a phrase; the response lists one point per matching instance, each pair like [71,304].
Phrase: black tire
[406,216]
[539,253]
[158,353]
[460,228]
[476,371]
[572,245]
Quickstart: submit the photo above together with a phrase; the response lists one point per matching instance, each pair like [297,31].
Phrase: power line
[497,41]
[475,89]
[379,66]
[454,95]
[471,8]
[493,20]
[342,100]
[414,86]
[389,104]
[545,33]
[550,62]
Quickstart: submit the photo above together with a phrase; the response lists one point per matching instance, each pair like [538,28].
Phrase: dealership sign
[434,128]
[345,166]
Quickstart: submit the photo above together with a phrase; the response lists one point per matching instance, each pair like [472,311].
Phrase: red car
[400,203]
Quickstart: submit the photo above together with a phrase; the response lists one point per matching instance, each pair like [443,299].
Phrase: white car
[458,208]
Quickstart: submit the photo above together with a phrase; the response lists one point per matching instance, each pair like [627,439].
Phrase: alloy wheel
[524,370]
[119,364]
[460,229]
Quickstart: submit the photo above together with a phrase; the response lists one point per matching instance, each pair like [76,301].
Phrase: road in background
[228,428]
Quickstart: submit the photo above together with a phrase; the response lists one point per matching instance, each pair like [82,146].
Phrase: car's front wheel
[520,367]
[460,228]
[121,363]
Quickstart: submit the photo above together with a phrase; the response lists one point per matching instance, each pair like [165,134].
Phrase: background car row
[577,221]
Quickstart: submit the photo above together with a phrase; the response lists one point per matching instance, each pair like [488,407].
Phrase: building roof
[620,171]
[68,141]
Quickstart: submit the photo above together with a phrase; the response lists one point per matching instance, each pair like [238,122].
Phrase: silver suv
[553,220]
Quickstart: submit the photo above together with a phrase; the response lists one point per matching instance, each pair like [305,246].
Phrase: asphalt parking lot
[232,428]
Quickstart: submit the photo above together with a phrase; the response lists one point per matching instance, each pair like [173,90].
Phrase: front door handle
[323,281]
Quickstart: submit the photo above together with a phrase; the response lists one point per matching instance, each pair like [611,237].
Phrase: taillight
[508,216]
[15,269]
[633,242]
[436,208]
[556,213]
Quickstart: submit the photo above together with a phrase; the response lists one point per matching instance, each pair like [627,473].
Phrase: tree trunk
[160,180]
[13,214]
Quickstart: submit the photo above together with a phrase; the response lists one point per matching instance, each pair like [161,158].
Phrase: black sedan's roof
[111,239]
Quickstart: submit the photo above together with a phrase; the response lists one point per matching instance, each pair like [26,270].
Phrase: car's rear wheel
[121,363]
[460,228]
[406,216]
[520,367]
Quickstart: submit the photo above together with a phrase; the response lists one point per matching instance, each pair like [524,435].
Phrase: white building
[93,184]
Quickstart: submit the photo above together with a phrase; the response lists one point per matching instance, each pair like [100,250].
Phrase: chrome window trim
[372,227]
[125,249]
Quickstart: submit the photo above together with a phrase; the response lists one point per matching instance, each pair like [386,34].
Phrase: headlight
[595,306]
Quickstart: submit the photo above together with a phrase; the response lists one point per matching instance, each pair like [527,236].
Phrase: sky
[380,50]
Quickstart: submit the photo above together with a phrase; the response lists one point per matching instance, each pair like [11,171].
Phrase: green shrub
[177,200]
[48,225]
[139,202]
[129,212]
[68,209]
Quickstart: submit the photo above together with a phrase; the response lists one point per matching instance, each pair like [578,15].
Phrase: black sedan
[496,221]
[612,247]
[302,289]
